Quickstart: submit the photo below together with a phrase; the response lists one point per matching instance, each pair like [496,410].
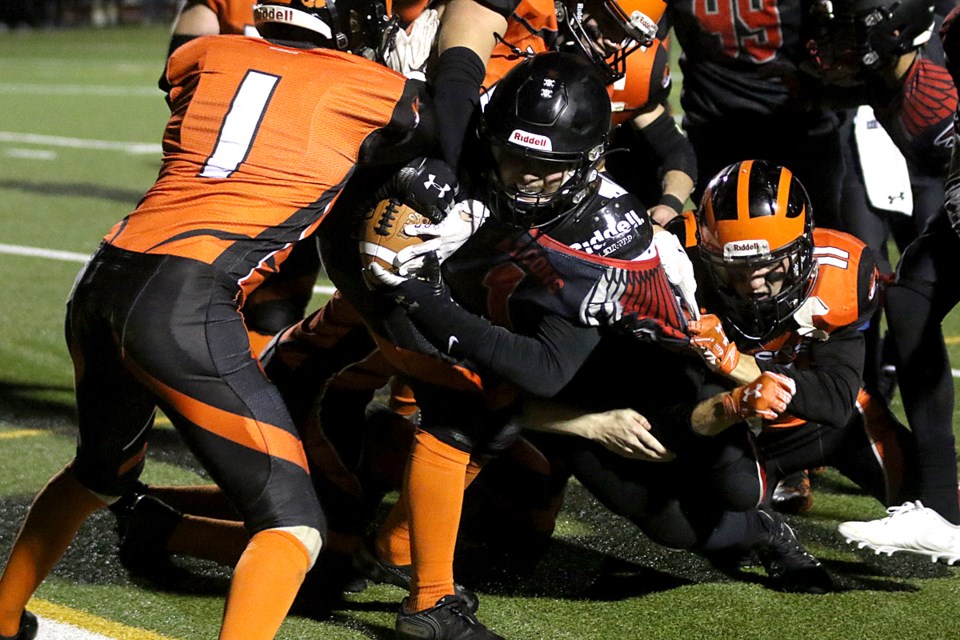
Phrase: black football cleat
[27,630]
[791,567]
[370,566]
[449,619]
[149,523]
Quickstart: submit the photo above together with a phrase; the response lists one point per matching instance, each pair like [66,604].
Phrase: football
[383,235]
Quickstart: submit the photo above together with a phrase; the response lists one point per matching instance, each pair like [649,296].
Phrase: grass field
[80,125]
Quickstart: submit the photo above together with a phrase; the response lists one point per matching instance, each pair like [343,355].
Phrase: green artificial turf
[599,579]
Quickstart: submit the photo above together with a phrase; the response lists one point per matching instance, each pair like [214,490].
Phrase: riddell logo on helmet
[532,140]
[745,248]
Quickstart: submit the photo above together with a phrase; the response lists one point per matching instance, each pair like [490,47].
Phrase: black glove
[427,185]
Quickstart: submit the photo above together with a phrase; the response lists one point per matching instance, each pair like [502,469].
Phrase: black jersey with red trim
[526,305]
[822,345]
[737,57]
[593,268]
[919,115]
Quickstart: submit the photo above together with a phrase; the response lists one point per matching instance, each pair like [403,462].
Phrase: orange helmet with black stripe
[755,214]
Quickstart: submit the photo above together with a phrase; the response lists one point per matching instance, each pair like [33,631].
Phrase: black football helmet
[345,25]
[549,116]
[847,38]
[631,23]
[756,214]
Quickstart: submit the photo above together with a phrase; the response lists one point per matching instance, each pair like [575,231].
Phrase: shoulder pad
[616,227]
[845,292]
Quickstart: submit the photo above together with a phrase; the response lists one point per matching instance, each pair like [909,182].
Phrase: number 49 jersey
[737,55]
[260,142]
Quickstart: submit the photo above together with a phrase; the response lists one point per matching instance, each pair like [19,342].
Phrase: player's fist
[711,342]
[766,397]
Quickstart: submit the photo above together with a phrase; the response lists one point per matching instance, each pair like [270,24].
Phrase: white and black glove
[676,264]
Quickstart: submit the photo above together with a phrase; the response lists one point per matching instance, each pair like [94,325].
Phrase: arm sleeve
[457,77]
[828,387]
[541,364]
[670,146]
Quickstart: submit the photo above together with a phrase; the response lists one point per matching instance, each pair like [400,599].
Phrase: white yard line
[136,148]
[70,256]
[20,88]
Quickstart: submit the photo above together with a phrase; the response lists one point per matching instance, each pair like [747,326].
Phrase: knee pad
[309,537]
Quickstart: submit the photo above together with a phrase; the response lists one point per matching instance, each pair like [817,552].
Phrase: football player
[788,302]
[791,299]
[154,318]
[550,213]
[866,53]
[922,295]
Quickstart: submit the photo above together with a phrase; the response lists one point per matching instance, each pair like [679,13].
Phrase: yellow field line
[90,622]
[20,433]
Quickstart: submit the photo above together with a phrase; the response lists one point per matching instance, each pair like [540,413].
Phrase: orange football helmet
[756,214]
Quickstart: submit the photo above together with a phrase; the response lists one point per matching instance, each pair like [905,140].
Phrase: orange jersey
[844,296]
[260,141]
[646,83]
[531,28]
[235,16]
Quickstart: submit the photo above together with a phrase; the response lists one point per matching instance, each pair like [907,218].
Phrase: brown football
[383,233]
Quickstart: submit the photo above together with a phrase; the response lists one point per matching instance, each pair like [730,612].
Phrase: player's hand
[676,264]
[627,433]
[449,234]
[428,185]
[766,397]
[412,290]
[710,341]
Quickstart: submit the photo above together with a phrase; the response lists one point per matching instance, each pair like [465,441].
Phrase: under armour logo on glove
[432,182]
[766,397]
[711,342]
[428,185]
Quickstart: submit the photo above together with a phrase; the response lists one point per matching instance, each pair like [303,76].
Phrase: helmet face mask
[607,31]
[533,191]
[544,131]
[756,244]
[849,38]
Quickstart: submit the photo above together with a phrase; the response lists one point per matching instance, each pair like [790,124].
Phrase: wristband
[672,201]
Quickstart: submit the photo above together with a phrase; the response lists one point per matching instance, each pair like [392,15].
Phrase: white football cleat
[909,527]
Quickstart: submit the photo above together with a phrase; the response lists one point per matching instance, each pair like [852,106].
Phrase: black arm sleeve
[670,146]
[828,388]
[541,364]
[457,77]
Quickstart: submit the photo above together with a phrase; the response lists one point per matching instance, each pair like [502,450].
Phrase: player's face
[531,178]
[759,283]
[606,33]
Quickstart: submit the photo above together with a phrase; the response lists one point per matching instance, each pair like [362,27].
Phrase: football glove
[427,185]
[448,235]
[766,397]
[416,288]
[676,264]
[710,341]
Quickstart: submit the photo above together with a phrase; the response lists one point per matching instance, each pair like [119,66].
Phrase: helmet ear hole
[754,214]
